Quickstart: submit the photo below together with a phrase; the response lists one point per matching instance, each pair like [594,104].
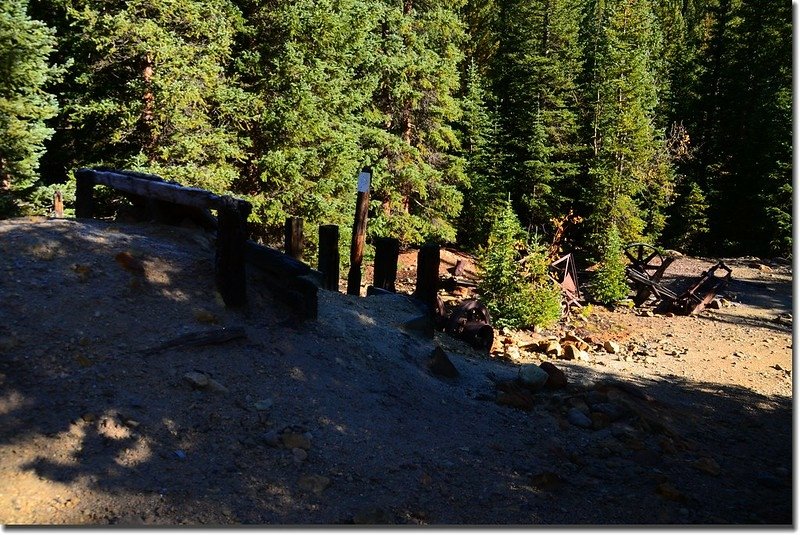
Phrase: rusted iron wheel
[644,257]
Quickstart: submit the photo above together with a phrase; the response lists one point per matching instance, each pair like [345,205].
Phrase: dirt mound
[114,408]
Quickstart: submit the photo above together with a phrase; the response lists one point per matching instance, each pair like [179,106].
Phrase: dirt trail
[340,420]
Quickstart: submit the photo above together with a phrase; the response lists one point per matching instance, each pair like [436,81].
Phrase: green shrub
[609,285]
[514,281]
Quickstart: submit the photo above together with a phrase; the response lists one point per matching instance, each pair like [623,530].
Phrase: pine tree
[312,66]
[150,89]
[608,284]
[535,78]
[417,172]
[479,142]
[629,172]
[514,282]
[25,104]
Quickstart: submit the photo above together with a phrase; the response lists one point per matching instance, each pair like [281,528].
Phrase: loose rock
[532,376]
[314,483]
[293,440]
[555,377]
[577,418]
[196,379]
[440,365]
[299,455]
[611,347]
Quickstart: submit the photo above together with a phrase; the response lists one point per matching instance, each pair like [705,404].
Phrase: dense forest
[668,121]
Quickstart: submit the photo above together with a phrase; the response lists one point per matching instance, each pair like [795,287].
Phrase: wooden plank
[153,189]
[274,262]
[328,257]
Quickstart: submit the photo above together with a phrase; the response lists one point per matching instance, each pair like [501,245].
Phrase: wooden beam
[387,251]
[359,233]
[84,194]
[328,257]
[229,263]
[428,275]
[153,189]
[293,237]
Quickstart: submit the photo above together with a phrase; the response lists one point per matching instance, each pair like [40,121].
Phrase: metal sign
[364,178]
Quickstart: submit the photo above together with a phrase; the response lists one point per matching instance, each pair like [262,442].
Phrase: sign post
[359,232]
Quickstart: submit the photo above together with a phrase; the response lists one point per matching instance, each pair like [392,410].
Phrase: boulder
[555,377]
[533,376]
[440,365]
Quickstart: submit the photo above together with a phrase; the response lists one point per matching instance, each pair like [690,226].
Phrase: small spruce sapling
[609,283]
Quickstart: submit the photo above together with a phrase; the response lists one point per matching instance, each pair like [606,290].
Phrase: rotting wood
[328,257]
[58,204]
[154,189]
[387,251]
[359,234]
[230,258]
[199,339]
[428,275]
[293,237]
[288,279]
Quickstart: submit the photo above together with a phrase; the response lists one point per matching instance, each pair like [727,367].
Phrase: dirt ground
[340,420]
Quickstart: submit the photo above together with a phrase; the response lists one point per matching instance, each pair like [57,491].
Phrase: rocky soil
[663,420]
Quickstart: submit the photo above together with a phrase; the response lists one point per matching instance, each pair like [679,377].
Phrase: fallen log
[198,339]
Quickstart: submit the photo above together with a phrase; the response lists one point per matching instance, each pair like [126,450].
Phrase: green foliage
[608,285]
[25,105]
[150,89]
[626,171]
[514,282]
[690,215]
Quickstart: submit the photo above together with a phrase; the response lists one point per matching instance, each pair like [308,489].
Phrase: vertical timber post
[386,252]
[428,275]
[84,194]
[58,204]
[230,256]
[359,233]
[328,258]
[293,237]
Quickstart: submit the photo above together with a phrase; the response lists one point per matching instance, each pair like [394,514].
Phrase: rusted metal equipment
[566,275]
[702,292]
[647,266]
[472,323]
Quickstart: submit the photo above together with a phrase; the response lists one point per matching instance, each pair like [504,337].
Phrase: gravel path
[341,421]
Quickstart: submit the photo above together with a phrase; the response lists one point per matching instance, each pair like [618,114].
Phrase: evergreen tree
[312,65]
[535,80]
[608,284]
[25,105]
[149,89]
[629,172]
[417,172]
[514,282]
[479,142]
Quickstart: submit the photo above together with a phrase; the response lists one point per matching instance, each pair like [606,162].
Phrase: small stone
[571,352]
[533,376]
[512,352]
[293,440]
[576,341]
[196,379]
[584,356]
[180,454]
[577,418]
[612,410]
[440,365]
[670,492]
[611,347]
[299,455]
[263,404]
[202,315]
[372,516]
[551,347]
[707,465]
[216,386]
[600,420]
[88,417]
[271,438]
[314,483]
[715,304]
[555,377]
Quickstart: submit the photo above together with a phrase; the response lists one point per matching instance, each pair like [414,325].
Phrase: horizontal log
[153,189]
[274,261]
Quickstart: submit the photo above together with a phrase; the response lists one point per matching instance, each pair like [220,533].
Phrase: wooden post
[230,254]
[328,258]
[293,237]
[428,275]
[386,252]
[84,194]
[359,233]
[58,204]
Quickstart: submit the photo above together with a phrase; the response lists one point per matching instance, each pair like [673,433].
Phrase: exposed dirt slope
[340,421]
